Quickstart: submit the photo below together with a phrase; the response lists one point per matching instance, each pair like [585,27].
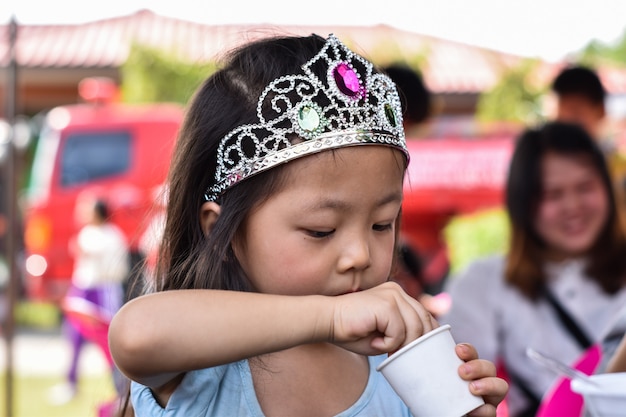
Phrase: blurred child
[101,264]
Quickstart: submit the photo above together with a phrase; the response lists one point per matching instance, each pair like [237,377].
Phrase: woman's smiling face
[574,206]
[331,227]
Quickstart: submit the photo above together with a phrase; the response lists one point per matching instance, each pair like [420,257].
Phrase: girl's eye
[382,227]
[319,234]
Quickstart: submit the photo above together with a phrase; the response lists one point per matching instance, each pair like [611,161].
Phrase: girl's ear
[209,212]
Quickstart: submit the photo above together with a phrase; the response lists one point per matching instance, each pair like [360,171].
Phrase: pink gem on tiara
[347,81]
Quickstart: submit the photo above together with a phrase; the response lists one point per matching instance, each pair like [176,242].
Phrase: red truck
[449,177]
[119,151]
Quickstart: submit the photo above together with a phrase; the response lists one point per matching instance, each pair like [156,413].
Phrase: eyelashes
[321,234]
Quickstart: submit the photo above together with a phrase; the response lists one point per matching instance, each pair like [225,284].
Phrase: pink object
[90,320]
[108,409]
[560,400]
[502,410]
[347,80]
[93,323]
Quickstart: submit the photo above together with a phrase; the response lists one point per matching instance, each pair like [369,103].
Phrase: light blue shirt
[228,390]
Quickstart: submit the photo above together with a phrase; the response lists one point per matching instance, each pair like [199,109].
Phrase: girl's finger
[476,369]
[487,410]
[425,320]
[466,352]
[493,390]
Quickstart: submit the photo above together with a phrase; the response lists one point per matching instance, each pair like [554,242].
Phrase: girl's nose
[355,255]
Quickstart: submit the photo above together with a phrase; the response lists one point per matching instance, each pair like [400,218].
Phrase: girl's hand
[378,320]
[484,382]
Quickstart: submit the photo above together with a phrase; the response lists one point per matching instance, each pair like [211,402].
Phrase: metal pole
[12,213]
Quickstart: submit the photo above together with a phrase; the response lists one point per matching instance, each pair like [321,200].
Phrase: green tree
[598,53]
[152,75]
[515,98]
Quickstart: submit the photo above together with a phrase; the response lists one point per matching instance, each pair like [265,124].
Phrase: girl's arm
[156,337]
[618,361]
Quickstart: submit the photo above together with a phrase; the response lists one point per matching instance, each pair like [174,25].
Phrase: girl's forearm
[618,361]
[194,329]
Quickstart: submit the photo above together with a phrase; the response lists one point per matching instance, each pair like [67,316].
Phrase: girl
[561,285]
[284,201]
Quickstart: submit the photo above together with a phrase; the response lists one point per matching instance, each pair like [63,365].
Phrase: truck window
[92,156]
[43,164]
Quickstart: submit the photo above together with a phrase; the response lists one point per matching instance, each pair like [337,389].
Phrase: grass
[30,396]
[30,392]
[37,314]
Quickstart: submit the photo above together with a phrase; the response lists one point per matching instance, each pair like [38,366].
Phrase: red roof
[450,67]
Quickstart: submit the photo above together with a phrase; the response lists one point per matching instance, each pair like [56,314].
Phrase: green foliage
[598,53]
[151,75]
[419,60]
[474,235]
[514,98]
[388,53]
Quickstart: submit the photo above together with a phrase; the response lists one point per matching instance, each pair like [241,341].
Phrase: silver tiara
[301,114]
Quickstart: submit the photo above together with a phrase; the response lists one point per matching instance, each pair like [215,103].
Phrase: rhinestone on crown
[301,114]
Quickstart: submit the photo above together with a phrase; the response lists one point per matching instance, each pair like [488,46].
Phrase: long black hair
[227,99]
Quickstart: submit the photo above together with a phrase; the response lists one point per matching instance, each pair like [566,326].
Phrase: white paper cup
[607,398]
[425,374]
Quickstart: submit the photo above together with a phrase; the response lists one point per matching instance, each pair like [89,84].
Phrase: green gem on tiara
[310,120]
[390,114]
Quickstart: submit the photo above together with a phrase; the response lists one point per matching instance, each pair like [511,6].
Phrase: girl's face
[574,206]
[330,229]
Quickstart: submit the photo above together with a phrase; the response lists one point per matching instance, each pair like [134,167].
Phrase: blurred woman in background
[561,284]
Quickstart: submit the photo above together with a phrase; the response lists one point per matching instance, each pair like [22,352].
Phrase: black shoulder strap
[570,324]
[576,332]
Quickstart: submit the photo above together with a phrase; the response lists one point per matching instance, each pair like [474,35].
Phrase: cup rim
[417,341]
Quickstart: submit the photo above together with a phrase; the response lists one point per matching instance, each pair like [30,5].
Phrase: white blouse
[501,322]
[102,256]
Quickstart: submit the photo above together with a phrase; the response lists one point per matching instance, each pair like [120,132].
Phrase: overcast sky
[548,29]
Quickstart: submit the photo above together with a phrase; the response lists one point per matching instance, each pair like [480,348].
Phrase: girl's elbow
[129,344]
